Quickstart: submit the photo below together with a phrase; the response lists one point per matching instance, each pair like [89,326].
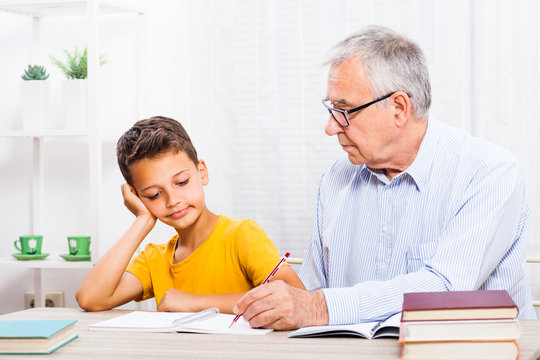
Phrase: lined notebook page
[220,325]
[144,321]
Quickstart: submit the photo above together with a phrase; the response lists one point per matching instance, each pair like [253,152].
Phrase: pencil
[266,280]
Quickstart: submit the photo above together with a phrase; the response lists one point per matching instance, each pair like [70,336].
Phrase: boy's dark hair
[150,138]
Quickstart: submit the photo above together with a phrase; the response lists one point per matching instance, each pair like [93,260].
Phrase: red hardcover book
[458,305]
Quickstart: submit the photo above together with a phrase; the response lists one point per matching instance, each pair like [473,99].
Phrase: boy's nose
[173,199]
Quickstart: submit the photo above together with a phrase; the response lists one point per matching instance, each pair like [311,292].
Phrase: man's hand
[176,300]
[133,202]
[279,306]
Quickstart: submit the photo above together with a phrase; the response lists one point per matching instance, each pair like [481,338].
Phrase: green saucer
[25,257]
[69,257]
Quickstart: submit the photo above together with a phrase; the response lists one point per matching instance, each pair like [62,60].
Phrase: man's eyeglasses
[342,116]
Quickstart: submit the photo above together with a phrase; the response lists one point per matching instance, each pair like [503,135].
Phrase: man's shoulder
[467,149]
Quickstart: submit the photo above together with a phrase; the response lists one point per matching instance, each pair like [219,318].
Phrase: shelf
[92,10]
[52,262]
[295,261]
[43,8]
[42,134]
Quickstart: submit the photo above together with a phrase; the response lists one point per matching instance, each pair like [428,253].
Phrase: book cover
[368,330]
[448,330]
[458,305]
[466,350]
[35,336]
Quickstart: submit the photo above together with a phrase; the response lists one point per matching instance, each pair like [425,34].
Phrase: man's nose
[332,127]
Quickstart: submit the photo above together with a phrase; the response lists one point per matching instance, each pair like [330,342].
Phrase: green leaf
[35,72]
[76,64]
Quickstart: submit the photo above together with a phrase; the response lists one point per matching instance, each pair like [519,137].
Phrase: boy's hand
[177,301]
[133,202]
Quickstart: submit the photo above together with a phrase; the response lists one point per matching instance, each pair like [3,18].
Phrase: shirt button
[389,192]
[385,228]
[383,266]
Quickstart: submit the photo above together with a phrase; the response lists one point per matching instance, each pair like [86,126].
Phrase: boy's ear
[203,172]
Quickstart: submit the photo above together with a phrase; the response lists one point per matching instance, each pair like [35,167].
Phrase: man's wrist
[319,310]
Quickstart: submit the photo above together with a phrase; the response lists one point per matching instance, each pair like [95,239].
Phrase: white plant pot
[35,104]
[74,93]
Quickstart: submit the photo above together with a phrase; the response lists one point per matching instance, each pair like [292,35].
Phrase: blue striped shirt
[456,219]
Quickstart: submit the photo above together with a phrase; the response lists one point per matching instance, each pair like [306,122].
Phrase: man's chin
[355,161]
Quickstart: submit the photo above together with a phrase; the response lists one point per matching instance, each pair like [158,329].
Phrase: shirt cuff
[343,305]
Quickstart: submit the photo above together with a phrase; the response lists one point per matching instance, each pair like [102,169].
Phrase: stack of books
[35,336]
[477,324]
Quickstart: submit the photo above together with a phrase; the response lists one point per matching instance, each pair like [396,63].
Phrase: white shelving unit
[38,9]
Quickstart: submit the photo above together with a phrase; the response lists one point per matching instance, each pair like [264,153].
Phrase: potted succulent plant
[74,88]
[34,98]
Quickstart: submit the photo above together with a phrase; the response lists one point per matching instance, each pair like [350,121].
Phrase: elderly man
[417,206]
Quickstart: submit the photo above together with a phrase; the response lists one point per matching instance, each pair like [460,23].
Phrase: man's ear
[402,106]
[203,172]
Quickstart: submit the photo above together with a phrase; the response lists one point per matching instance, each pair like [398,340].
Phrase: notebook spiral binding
[198,316]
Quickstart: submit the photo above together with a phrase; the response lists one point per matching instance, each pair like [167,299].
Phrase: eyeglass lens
[339,117]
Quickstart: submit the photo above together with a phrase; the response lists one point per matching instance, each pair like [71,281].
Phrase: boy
[212,261]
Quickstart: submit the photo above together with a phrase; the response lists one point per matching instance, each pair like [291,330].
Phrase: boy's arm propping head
[134,203]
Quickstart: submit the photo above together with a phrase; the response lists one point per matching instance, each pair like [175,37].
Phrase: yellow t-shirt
[237,256]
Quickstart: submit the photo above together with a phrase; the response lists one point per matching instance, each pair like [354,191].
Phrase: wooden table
[275,345]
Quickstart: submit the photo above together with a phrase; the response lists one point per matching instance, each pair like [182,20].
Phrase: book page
[147,321]
[220,325]
[141,321]
[389,327]
[361,330]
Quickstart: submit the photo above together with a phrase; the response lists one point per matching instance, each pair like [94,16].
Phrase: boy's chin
[182,223]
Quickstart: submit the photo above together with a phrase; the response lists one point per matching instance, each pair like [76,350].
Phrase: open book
[369,330]
[208,321]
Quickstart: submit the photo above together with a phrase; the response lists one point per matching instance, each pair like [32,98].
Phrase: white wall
[484,65]
[245,79]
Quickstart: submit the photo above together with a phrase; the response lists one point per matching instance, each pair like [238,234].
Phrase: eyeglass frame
[346,113]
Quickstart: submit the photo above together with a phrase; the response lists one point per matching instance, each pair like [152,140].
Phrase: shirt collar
[420,167]
[366,174]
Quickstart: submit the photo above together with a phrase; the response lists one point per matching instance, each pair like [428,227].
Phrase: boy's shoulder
[241,233]
[226,229]
[228,225]
[153,248]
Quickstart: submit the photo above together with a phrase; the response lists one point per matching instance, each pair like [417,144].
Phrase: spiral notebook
[209,321]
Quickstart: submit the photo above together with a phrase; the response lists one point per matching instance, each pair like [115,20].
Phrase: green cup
[29,244]
[79,245]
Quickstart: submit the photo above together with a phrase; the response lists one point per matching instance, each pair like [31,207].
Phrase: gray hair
[391,62]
